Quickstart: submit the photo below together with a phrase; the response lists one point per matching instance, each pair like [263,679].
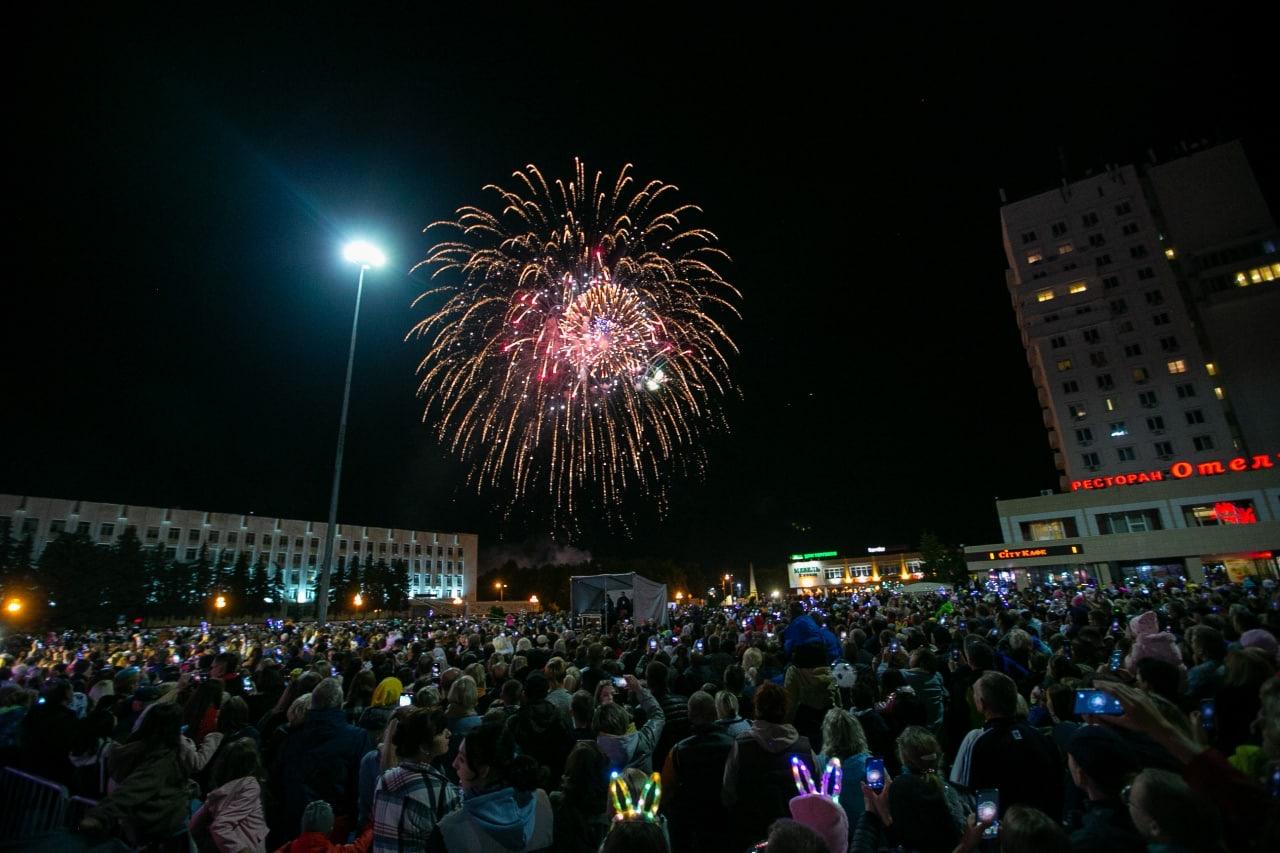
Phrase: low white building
[837,572]
[1220,518]
[441,565]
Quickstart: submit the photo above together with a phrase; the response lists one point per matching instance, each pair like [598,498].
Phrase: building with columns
[441,565]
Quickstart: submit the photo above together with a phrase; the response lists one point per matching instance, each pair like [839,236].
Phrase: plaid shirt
[407,803]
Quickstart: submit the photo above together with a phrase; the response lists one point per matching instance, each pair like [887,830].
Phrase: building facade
[834,572]
[1148,299]
[1215,519]
[441,565]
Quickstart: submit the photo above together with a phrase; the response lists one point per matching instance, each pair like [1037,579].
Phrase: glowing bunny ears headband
[637,810]
[832,777]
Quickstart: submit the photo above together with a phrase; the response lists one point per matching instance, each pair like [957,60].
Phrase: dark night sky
[177,310]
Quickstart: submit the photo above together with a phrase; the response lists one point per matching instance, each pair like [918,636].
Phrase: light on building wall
[775,594]
[533,599]
[302,595]
[457,601]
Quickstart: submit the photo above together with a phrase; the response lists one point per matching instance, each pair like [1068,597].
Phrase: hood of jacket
[243,791]
[539,718]
[772,737]
[505,814]
[620,749]
[387,693]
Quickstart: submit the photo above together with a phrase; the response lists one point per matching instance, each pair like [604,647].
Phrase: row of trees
[77,582]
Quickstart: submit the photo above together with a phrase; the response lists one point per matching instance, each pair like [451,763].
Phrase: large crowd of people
[1044,719]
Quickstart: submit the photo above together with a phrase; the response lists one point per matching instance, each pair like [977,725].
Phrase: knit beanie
[1260,638]
[317,817]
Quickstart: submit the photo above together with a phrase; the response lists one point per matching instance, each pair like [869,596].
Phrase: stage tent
[648,599]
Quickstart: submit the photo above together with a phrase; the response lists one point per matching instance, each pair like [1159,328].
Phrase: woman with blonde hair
[921,755]
[460,717]
[844,739]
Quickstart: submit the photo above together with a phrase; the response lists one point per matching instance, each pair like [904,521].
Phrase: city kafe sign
[1180,471]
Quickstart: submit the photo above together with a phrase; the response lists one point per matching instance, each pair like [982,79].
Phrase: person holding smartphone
[1101,764]
[1008,754]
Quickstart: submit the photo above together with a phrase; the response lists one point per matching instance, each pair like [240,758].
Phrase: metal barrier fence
[31,805]
[77,808]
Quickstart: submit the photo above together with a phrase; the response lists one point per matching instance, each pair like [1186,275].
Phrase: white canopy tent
[587,594]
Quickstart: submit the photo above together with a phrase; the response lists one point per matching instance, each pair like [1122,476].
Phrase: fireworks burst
[577,352]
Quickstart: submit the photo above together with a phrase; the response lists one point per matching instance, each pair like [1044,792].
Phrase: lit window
[1065,249]
[1211,368]
[1034,257]
[1044,296]
[1111,404]
[1118,429]
[1257,275]
[1218,392]
[1170,253]
[1064,364]
[1179,365]
[1078,287]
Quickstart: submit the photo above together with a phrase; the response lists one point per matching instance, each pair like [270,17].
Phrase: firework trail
[579,350]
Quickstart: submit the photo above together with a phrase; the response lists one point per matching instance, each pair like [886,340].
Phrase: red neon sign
[1229,513]
[1180,471]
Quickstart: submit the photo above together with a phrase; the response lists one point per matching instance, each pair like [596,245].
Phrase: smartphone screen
[653,644]
[1206,714]
[875,774]
[1117,660]
[955,655]
[620,683]
[894,646]
[406,699]
[248,683]
[1098,702]
[988,800]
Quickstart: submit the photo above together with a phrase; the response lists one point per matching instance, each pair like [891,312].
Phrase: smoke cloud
[532,552]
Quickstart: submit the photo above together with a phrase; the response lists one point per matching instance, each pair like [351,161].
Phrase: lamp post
[501,588]
[365,255]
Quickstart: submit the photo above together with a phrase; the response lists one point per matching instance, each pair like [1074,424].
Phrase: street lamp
[366,255]
[775,594]
[220,602]
[533,599]
[358,601]
[679,596]
[501,588]
[13,606]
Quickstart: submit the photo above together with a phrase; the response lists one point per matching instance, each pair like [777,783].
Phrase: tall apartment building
[441,565]
[1149,300]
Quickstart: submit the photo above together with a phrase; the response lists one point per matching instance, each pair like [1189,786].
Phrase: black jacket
[1021,762]
[692,801]
[1106,828]
[540,731]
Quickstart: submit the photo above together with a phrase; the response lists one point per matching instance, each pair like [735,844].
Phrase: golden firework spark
[579,348]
